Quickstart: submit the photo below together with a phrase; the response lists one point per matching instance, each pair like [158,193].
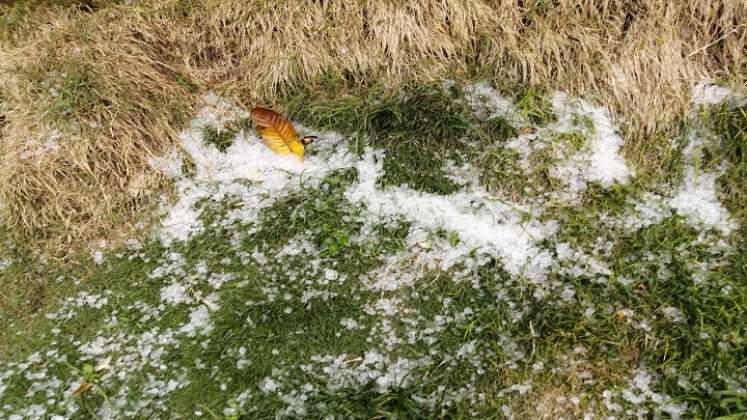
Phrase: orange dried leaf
[83,388]
[526,130]
[277,132]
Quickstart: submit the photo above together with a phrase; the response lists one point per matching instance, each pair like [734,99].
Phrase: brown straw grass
[116,81]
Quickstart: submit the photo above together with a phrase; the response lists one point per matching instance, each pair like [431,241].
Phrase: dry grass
[551,392]
[117,80]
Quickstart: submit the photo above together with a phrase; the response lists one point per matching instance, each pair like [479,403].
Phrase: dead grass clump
[563,392]
[114,81]
[639,57]
[82,118]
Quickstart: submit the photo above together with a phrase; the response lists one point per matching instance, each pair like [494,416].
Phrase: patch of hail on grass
[97,253]
[121,362]
[123,359]
[375,371]
[706,92]
[344,371]
[487,102]
[461,175]
[639,400]
[576,263]
[199,322]
[3,377]
[175,293]
[247,170]
[82,299]
[482,221]
[647,210]
[98,257]
[697,199]
[600,161]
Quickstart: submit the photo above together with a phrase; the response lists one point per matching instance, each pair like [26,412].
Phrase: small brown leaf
[277,132]
[526,130]
[82,389]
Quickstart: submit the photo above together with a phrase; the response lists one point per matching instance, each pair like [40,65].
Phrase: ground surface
[441,251]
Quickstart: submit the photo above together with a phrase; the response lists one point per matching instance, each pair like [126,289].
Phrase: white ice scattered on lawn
[100,345]
[216,280]
[707,93]
[330,274]
[248,170]
[83,299]
[482,221]
[696,199]
[3,387]
[648,209]
[174,293]
[487,102]
[602,162]
[576,263]
[199,321]
[599,160]
[268,385]
[172,266]
[673,314]
[373,368]
[698,202]
[349,323]
[169,164]
[639,393]
[461,175]
[257,176]
[98,257]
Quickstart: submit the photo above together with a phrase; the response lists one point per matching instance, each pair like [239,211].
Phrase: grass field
[496,274]
[489,226]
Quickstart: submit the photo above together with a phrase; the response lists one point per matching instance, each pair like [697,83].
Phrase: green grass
[535,106]
[295,329]
[222,140]
[297,292]
[74,93]
[419,127]
[730,124]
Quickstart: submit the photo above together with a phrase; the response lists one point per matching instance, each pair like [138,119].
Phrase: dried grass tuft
[115,81]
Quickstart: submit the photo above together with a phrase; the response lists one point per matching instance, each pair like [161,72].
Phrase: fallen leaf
[277,132]
[526,130]
[83,388]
